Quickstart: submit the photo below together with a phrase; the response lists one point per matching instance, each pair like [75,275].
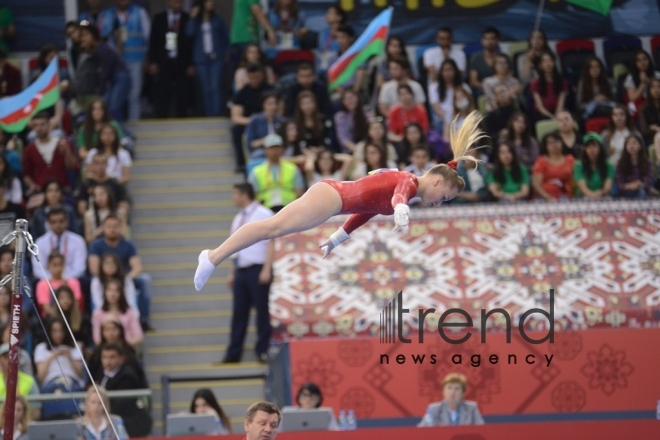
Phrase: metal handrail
[82,395]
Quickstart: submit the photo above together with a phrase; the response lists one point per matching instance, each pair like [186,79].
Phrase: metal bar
[15,332]
[165,396]
[82,395]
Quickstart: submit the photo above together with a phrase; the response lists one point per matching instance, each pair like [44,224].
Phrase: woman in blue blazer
[210,44]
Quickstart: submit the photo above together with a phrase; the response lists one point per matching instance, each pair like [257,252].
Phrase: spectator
[435,57]
[57,280]
[21,419]
[552,177]
[615,134]
[92,13]
[95,424]
[549,89]
[112,332]
[377,135]
[97,116]
[24,357]
[328,47]
[115,305]
[118,375]
[569,134]
[111,268]
[453,409]
[46,55]
[346,38]
[54,199]
[288,21]
[413,137]
[103,205]
[101,71]
[634,176]
[292,150]
[170,60]
[14,210]
[261,421]
[594,92]
[75,315]
[119,160]
[407,112]
[7,28]
[72,31]
[306,81]
[375,157]
[276,182]
[502,76]
[509,179]
[649,119]
[10,76]
[518,133]
[250,278]
[638,80]
[476,188]
[263,124]
[529,64]
[463,106]
[245,21]
[326,165]
[505,106]
[5,294]
[247,102]
[113,241]
[128,27]
[420,159]
[96,176]
[252,55]
[315,132]
[68,244]
[350,121]
[482,64]
[204,402]
[441,94]
[309,396]
[8,147]
[394,50]
[11,185]
[58,369]
[6,260]
[593,173]
[210,44]
[400,74]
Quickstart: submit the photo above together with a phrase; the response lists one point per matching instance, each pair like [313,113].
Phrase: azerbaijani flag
[369,44]
[601,6]
[16,111]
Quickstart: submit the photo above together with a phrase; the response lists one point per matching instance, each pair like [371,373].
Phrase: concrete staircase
[181,188]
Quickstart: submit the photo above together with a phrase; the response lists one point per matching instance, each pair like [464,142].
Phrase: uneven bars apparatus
[22,237]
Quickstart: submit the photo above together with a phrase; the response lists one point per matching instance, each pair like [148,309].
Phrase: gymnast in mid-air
[384,192]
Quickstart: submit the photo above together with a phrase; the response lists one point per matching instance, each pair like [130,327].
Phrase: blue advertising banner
[416,21]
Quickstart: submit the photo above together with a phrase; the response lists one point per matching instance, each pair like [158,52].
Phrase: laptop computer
[307,419]
[55,430]
[186,424]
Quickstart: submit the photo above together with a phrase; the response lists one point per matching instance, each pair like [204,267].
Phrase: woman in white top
[376,134]
[102,205]
[323,165]
[638,80]
[61,367]
[441,93]
[119,160]
[375,158]
[110,268]
[620,127]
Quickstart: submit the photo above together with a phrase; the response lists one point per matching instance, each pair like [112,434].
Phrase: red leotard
[374,194]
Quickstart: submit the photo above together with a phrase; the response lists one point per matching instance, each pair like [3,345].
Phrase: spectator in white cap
[276,182]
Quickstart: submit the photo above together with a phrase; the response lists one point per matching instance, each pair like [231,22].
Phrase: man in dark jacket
[306,80]
[170,60]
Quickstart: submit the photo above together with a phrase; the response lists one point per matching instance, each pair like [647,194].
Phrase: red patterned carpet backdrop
[602,258]
[595,370]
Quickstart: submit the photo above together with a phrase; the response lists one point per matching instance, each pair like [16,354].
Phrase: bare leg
[314,208]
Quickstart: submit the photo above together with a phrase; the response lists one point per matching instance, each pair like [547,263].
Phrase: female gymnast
[384,192]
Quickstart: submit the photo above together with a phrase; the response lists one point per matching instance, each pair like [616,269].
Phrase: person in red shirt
[552,177]
[384,192]
[10,77]
[261,421]
[47,158]
[406,113]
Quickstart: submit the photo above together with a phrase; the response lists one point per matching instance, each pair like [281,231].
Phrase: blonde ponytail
[468,135]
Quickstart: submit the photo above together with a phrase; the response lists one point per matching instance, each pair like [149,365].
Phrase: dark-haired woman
[593,173]
[394,49]
[53,199]
[116,306]
[350,121]
[638,80]
[204,402]
[289,23]
[119,160]
[617,131]
[408,112]
[549,89]
[59,368]
[594,92]
[97,115]
[552,177]
[649,118]
[441,94]
[328,47]
[634,177]
[262,124]
[519,135]
[314,130]
[528,63]
[509,179]
[252,55]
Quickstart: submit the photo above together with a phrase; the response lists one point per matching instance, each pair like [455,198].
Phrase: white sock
[204,270]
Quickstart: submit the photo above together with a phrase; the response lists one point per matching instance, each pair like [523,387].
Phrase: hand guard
[401,213]
[337,238]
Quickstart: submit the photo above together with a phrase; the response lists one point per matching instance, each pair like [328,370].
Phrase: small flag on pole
[601,6]
[370,43]
[16,111]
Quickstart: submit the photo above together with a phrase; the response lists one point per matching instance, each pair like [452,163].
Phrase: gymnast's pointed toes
[204,270]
